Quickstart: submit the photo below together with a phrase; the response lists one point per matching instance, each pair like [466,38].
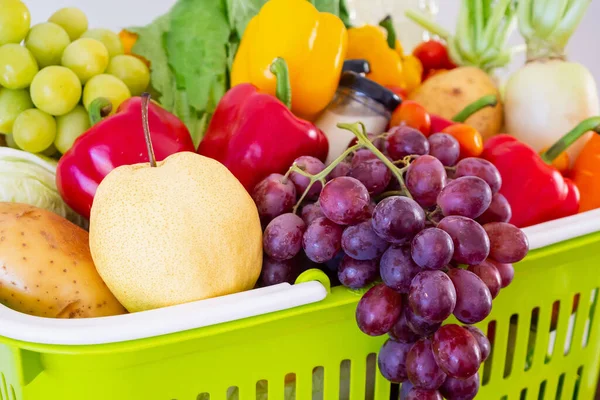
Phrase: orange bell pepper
[312,43]
[586,174]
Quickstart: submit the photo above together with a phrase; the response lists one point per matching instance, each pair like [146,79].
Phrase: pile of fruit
[51,72]
[222,184]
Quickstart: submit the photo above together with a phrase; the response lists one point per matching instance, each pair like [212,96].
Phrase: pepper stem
[146,126]
[590,124]
[283,90]
[388,24]
[489,100]
[99,108]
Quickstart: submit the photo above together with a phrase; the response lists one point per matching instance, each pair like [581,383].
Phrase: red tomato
[412,114]
[433,55]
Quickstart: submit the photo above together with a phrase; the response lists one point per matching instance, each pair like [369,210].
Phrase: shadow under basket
[543,328]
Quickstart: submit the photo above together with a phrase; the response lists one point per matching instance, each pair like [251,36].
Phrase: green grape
[86,57]
[10,142]
[72,20]
[109,38]
[12,103]
[107,86]
[34,130]
[17,66]
[55,90]
[47,41]
[69,127]
[14,21]
[132,71]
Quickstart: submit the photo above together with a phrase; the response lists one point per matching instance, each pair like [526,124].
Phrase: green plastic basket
[317,351]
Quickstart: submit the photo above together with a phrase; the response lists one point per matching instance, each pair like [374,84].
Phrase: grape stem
[358,129]
[321,175]
[146,126]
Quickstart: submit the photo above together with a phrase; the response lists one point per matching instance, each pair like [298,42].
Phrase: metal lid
[371,89]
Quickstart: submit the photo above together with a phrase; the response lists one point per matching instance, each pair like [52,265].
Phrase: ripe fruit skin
[182,231]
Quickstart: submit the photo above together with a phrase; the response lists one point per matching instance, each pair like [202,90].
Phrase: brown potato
[446,94]
[46,268]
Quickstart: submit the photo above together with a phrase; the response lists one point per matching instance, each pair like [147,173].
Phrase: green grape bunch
[50,73]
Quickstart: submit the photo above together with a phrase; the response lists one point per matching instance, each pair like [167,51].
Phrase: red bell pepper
[255,134]
[536,191]
[115,141]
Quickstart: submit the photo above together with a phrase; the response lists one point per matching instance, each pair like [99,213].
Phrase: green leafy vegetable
[191,50]
[31,179]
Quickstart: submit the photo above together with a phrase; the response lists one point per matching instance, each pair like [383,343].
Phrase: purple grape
[274,272]
[398,219]
[361,156]
[405,141]
[312,166]
[432,248]
[310,212]
[482,341]
[456,351]
[508,244]
[432,295]
[506,271]
[473,298]
[274,195]
[322,240]
[356,274]
[460,389]
[398,269]
[444,147]
[282,238]
[362,243]
[333,265]
[391,360]
[468,196]
[481,168]
[341,169]
[419,325]
[378,310]
[345,201]
[374,174]
[405,389]
[423,394]
[489,275]
[425,179]
[498,211]
[401,332]
[423,372]
[471,243]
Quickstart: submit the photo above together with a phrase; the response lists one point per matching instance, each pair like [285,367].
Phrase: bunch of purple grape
[429,235]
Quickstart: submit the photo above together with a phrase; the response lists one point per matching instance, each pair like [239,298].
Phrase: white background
[584,46]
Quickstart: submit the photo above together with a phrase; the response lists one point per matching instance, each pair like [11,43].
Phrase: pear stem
[146,126]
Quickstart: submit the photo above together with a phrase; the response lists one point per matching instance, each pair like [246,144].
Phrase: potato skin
[46,268]
[446,94]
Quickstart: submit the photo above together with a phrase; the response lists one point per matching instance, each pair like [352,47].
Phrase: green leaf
[197,50]
[240,12]
[150,45]
[330,6]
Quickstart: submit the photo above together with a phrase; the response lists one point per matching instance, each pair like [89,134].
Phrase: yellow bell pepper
[369,42]
[312,43]
[412,72]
